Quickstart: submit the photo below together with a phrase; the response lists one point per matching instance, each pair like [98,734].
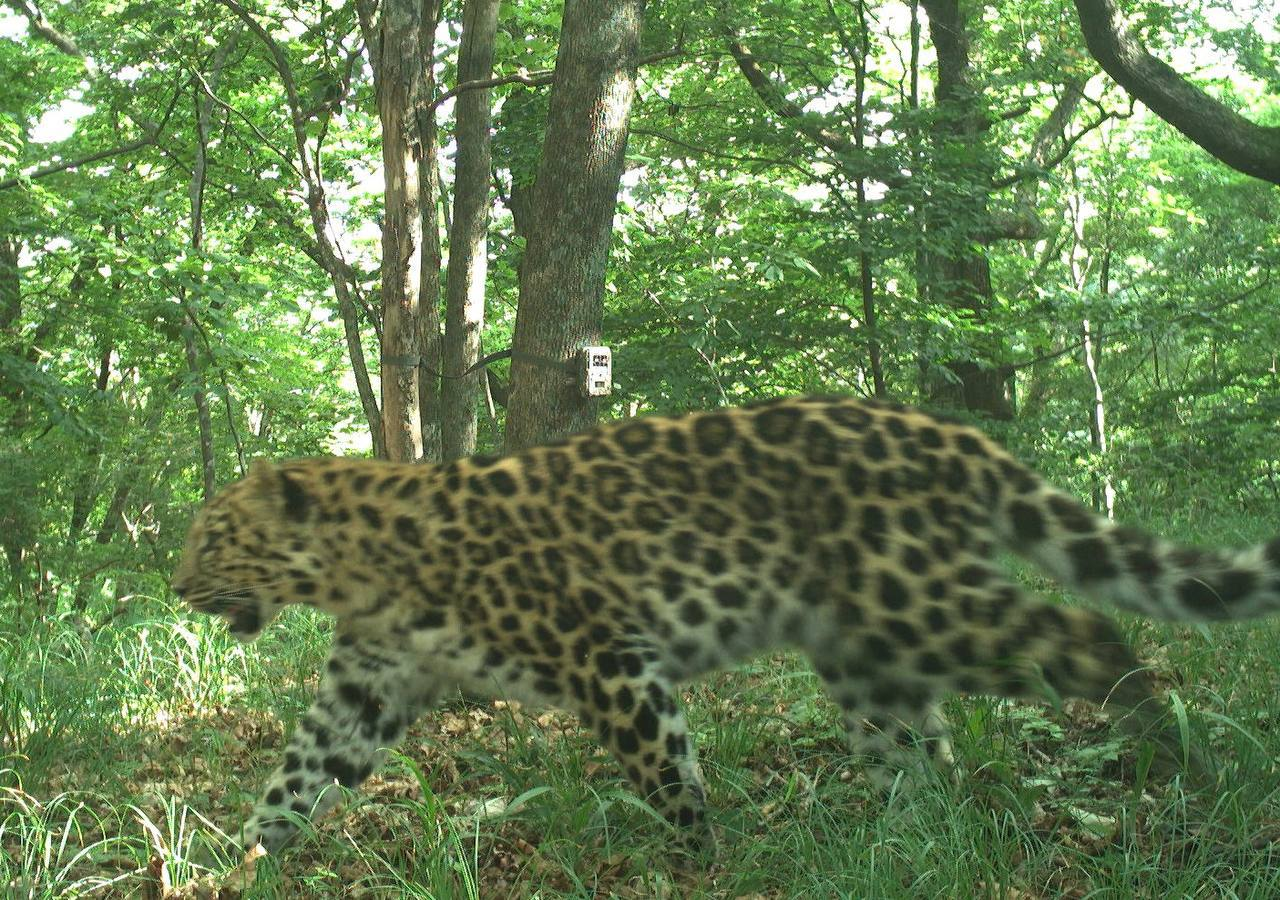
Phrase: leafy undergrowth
[131,754]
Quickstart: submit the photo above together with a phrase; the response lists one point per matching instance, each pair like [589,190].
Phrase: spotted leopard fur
[600,572]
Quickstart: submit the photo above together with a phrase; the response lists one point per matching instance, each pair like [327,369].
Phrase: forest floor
[131,752]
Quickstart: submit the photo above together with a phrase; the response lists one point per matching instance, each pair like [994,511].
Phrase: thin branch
[282,66]
[76,163]
[536,78]
[1200,313]
[528,79]
[257,132]
[720,154]
[1068,144]
[779,105]
[153,135]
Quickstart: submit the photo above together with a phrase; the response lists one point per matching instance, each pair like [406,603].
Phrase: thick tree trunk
[960,272]
[562,274]
[401,73]
[468,247]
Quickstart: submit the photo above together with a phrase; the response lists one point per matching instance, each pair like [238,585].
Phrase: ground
[129,746]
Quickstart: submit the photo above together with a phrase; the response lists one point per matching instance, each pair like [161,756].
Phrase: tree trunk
[1103,491]
[204,419]
[430,340]
[563,270]
[468,247]
[1104,495]
[960,272]
[195,189]
[401,71]
[866,278]
[131,470]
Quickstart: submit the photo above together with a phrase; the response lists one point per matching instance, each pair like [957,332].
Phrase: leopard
[601,572]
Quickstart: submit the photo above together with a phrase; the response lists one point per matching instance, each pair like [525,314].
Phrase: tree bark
[866,277]
[1244,145]
[563,270]
[961,274]
[131,470]
[430,339]
[468,246]
[401,88]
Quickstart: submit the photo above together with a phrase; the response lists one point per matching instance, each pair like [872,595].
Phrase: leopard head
[250,551]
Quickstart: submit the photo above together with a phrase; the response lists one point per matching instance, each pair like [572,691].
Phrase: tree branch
[528,79]
[855,162]
[1038,162]
[536,78]
[153,133]
[1200,313]
[76,163]
[40,25]
[780,106]
[1243,145]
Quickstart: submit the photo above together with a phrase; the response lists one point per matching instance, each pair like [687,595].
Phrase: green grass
[129,753]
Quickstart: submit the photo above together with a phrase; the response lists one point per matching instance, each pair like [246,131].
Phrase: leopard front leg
[634,711]
[367,698]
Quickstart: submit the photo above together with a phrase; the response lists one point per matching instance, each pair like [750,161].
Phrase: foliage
[743,233]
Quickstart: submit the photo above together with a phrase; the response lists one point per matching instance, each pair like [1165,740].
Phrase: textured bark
[468,247]
[430,340]
[866,277]
[1244,145]
[401,75]
[562,274]
[962,275]
[10,290]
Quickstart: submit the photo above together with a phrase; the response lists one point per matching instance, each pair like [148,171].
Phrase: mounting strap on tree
[531,358]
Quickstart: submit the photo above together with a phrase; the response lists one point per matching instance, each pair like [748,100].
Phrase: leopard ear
[277,483]
[261,469]
[297,502]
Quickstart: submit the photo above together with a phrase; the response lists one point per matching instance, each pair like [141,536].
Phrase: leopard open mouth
[241,613]
[243,620]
